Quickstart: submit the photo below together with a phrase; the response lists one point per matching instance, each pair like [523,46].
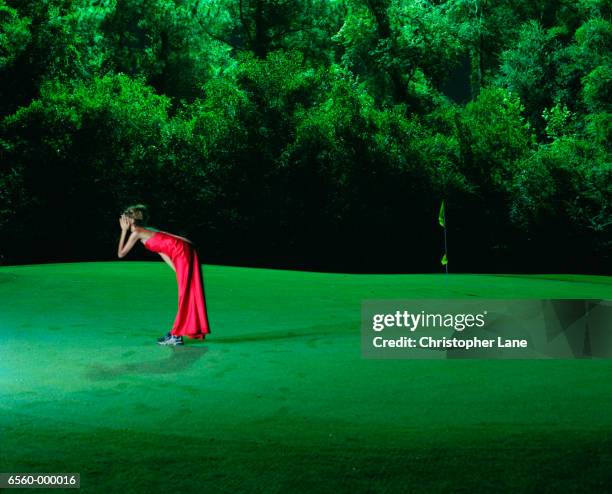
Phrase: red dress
[191,318]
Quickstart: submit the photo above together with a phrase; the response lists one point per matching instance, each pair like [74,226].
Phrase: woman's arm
[123,251]
[121,240]
[125,247]
[168,261]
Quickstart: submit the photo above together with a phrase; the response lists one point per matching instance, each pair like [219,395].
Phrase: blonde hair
[139,212]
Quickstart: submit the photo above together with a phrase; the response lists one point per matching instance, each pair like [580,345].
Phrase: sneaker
[172,341]
[164,338]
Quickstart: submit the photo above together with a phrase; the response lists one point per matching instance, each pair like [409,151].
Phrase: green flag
[444,260]
[441,215]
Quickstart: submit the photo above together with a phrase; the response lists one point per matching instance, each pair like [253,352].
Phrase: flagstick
[442,221]
[445,248]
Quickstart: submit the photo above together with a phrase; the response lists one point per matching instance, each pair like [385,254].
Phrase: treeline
[313,134]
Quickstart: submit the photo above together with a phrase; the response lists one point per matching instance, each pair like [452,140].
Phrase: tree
[528,70]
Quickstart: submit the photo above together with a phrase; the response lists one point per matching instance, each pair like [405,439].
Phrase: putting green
[278,397]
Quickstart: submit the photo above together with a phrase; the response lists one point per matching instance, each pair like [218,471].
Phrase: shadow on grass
[326,330]
[180,359]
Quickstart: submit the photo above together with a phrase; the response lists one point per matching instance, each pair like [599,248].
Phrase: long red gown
[191,318]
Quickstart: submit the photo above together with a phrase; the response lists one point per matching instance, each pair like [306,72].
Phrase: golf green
[278,398]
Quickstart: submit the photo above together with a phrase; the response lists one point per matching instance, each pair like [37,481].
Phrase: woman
[180,254]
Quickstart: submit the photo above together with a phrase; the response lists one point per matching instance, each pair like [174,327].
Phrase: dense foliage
[320,134]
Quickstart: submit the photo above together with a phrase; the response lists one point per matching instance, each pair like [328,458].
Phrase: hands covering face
[125,222]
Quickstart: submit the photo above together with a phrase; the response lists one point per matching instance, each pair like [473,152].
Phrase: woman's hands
[125,246]
[124,222]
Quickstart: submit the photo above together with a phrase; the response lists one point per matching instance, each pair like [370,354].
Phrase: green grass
[278,398]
